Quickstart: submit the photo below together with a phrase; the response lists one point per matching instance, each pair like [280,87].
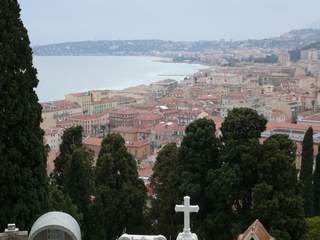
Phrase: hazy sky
[50,21]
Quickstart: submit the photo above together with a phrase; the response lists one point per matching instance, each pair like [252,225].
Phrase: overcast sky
[51,21]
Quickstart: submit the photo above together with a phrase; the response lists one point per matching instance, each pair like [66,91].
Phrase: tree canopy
[316,186]
[164,184]
[306,172]
[198,153]
[23,179]
[120,194]
[277,199]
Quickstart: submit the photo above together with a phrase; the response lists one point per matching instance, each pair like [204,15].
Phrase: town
[286,93]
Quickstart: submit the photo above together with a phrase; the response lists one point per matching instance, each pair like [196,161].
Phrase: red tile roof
[59,105]
[148,116]
[272,125]
[145,170]
[94,141]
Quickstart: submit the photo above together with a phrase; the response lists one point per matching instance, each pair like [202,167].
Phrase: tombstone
[13,233]
[256,231]
[55,226]
[141,237]
[187,209]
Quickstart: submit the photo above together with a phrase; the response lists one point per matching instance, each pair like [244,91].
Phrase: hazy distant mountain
[295,54]
[315,25]
[293,40]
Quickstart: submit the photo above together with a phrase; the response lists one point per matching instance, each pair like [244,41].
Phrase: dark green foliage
[79,178]
[243,124]
[236,181]
[277,200]
[71,139]
[120,195]
[59,201]
[199,153]
[23,180]
[79,184]
[307,171]
[73,175]
[313,228]
[241,131]
[221,191]
[316,186]
[164,183]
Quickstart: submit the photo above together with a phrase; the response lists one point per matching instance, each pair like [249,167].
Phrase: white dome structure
[55,226]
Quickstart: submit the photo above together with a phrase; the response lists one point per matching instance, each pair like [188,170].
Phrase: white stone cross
[186,208]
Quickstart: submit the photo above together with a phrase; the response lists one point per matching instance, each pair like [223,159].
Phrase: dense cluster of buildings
[149,117]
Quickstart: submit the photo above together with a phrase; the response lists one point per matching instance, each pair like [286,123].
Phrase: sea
[60,75]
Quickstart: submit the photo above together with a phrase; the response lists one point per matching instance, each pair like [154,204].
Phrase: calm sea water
[61,75]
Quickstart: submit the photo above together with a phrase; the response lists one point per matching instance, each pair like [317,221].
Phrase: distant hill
[295,54]
[315,45]
[315,25]
[295,39]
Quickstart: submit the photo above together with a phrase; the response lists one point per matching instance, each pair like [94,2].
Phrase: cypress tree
[307,171]
[23,180]
[199,153]
[316,186]
[277,197]
[71,140]
[120,194]
[164,185]
[78,178]
[60,201]
[241,131]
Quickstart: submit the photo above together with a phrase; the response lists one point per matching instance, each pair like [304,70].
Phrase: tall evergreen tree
[316,186]
[79,178]
[164,184]
[241,131]
[243,124]
[60,201]
[23,180]
[199,153]
[120,194]
[277,197]
[71,140]
[307,172]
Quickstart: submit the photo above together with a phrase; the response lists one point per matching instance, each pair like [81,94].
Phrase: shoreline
[51,73]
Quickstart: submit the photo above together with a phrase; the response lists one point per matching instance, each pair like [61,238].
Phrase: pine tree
[316,186]
[277,197]
[120,194]
[199,153]
[307,172]
[23,180]
[164,184]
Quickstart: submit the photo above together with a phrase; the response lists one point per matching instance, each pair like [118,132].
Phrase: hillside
[295,39]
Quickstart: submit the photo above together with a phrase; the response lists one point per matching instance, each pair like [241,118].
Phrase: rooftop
[256,231]
[59,105]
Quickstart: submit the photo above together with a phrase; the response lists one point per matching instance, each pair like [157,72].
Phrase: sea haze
[59,75]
